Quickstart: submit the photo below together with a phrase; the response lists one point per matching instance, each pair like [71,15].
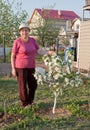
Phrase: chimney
[42,9]
[59,12]
[87,2]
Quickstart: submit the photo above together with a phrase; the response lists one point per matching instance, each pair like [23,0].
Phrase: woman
[23,64]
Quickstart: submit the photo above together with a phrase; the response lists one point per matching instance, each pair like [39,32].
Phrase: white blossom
[58,73]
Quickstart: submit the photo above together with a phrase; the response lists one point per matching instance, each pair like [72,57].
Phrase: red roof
[57,14]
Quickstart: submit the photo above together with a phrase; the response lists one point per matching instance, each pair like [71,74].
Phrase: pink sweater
[25,53]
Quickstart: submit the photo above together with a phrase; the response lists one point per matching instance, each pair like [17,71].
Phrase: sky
[72,5]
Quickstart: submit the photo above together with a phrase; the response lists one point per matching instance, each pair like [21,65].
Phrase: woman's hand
[42,51]
[51,53]
[14,72]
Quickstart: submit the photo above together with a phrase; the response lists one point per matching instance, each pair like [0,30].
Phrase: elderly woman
[23,55]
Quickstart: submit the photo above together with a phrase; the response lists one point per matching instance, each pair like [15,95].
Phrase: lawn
[72,109]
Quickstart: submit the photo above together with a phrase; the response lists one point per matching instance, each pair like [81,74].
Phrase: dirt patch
[59,112]
[9,119]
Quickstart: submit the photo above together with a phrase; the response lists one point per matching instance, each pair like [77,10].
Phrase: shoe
[28,106]
[23,105]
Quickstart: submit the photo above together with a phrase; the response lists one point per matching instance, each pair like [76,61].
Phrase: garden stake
[5,112]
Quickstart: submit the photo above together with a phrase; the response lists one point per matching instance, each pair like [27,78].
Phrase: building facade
[56,18]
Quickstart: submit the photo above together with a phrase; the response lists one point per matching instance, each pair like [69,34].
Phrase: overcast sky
[73,5]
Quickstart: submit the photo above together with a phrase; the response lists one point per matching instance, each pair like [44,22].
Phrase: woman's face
[24,33]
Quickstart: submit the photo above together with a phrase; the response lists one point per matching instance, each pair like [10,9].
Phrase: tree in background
[11,15]
[44,29]
[46,34]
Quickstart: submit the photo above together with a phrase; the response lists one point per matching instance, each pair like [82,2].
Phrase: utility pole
[57,44]
[4,49]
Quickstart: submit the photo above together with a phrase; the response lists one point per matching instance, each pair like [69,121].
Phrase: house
[72,31]
[84,46]
[86,9]
[83,59]
[75,36]
[56,18]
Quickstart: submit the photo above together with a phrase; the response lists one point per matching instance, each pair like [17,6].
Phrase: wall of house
[37,21]
[76,25]
[84,46]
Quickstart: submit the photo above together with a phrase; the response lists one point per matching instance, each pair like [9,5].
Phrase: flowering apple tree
[59,74]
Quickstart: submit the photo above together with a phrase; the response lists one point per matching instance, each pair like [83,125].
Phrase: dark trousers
[27,85]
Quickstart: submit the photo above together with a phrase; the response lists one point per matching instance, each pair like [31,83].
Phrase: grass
[75,100]
[72,109]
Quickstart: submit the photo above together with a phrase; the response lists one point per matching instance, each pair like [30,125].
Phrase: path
[5,68]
